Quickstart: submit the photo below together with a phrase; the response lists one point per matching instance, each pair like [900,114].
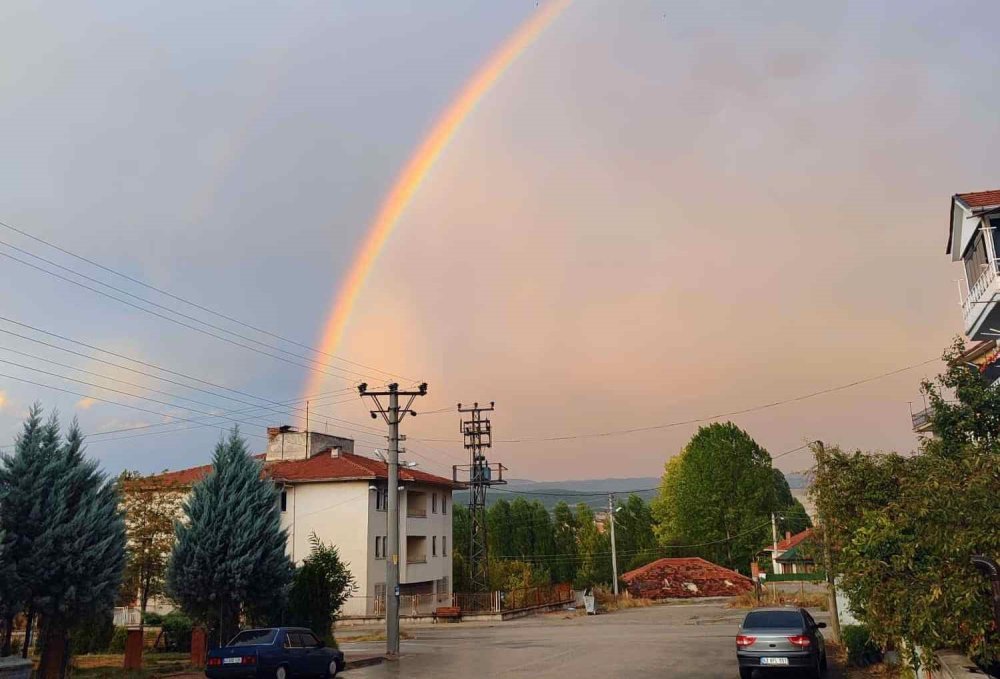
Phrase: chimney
[288,443]
[788,535]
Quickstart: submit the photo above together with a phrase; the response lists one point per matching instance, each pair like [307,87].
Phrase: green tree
[498,529]
[229,555]
[564,543]
[722,491]
[150,513]
[319,589]
[593,550]
[69,552]
[461,526]
[634,536]
[902,529]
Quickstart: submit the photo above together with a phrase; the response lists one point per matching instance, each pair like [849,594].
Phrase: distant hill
[593,492]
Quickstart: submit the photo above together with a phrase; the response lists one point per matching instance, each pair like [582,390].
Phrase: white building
[973,240]
[328,490]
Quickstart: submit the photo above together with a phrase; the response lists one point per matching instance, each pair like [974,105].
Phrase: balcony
[979,310]
[416,549]
[921,420]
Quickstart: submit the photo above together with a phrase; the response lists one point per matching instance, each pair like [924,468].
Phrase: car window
[292,640]
[308,640]
[809,618]
[254,637]
[772,620]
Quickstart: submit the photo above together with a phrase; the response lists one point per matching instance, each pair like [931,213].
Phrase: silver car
[781,638]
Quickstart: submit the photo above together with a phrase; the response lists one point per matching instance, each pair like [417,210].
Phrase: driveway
[693,641]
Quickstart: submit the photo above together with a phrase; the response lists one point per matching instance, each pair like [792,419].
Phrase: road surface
[693,641]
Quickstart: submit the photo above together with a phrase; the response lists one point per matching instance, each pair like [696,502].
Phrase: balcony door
[977,260]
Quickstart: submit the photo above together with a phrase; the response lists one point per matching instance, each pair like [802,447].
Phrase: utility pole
[614,555]
[827,560]
[393,415]
[477,436]
[774,541]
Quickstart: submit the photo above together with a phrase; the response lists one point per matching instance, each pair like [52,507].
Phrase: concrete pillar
[199,647]
[133,649]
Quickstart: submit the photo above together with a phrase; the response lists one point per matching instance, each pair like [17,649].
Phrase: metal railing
[126,617]
[921,419]
[978,291]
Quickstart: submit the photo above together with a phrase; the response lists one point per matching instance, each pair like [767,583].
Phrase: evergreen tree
[229,555]
[634,536]
[69,552]
[461,526]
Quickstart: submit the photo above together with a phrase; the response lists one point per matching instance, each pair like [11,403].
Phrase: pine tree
[229,556]
[64,534]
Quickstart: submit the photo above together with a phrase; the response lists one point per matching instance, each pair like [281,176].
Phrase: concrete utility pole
[392,415]
[774,540]
[828,561]
[614,555]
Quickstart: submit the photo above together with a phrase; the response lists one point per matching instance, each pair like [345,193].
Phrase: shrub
[92,635]
[177,631]
[117,644]
[861,650]
[152,618]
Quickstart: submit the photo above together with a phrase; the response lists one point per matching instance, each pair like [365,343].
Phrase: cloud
[85,403]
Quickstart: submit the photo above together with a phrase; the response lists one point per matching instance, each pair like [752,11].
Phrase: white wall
[339,515]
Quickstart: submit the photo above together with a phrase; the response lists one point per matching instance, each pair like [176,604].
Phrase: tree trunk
[27,632]
[8,630]
[54,651]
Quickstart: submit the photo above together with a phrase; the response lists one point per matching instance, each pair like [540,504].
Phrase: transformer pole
[392,415]
[477,435]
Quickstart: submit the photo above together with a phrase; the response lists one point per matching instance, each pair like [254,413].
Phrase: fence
[127,617]
[417,605]
[797,577]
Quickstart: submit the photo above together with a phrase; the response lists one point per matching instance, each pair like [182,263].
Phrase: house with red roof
[328,489]
[793,554]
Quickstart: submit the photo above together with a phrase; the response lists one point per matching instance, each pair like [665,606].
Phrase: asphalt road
[677,641]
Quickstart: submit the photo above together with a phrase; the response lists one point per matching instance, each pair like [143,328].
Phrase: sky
[663,211]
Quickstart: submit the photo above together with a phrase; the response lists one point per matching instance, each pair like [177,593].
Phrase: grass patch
[779,598]
[110,665]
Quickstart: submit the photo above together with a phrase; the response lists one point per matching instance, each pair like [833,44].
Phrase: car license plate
[774,661]
[232,661]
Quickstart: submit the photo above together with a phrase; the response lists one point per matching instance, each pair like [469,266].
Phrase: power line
[182,323]
[187,301]
[139,362]
[668,425]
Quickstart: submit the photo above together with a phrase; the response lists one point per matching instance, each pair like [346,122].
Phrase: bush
[861,650]
[92,635]
[152,618]
[177,631]
[117,644]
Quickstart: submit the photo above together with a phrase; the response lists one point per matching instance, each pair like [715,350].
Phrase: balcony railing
[921,420]
[979,292]
[416,559]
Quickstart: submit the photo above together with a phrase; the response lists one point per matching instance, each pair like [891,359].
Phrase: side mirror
[322,644]
[820,625]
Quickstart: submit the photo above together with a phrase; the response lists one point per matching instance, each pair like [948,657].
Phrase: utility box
[590,603]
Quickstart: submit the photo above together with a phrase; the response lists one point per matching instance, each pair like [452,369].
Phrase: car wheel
[822,664]
[817,672]
[333,669]
[281,673]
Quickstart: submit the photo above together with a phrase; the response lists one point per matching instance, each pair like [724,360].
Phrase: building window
[434,545]
[434,503]
[378,546]
[444,504]
[381,499]
[444,545]
[284,500]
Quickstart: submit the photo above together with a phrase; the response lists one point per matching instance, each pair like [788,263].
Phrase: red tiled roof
[980,198]
[320,467]
[788,543]
[685,577]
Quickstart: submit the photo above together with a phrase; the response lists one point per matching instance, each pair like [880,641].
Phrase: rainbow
[417,168]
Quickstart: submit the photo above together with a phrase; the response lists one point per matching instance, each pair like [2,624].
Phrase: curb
[364,661]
